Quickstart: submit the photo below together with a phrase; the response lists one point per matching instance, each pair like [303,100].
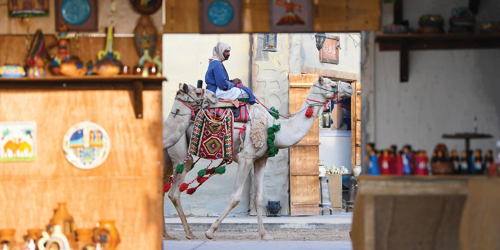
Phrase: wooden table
[467,137]
[426,212]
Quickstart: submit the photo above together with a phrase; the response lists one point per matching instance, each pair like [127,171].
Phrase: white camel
[254,150]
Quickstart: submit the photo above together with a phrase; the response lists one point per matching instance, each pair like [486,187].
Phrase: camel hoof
[167,237]
[267,237]
[190,236]
[209,235]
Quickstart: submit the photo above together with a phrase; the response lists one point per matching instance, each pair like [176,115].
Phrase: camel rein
[317,103]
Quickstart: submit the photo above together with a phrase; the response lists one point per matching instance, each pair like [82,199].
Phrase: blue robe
[217,77]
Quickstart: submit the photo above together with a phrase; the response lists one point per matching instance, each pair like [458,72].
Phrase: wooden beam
[138,105]
[474,6]
[404,57]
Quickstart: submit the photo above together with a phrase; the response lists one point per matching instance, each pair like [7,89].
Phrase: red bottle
[398,166]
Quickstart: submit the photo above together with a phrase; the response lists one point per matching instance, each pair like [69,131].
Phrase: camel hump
[259,128]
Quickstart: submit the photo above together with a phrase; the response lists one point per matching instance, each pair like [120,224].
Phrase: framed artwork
[290,16]
[30,8]
[86,145]
[78,15]
[220,16]
[146,7]
[329,53]
[18,141]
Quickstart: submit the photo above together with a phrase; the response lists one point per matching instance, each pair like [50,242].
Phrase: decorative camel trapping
[255,151]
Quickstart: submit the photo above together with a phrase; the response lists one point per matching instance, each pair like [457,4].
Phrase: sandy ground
[278,234]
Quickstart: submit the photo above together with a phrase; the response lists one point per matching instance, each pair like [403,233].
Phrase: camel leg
[165,234]
[258,169]
[167,171]
[244,166]
[175,196]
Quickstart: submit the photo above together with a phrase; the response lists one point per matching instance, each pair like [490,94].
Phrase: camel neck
[295,129]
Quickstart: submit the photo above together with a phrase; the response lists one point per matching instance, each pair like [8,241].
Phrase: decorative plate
[86,145]
[220,13]
[75,11]
[146,7]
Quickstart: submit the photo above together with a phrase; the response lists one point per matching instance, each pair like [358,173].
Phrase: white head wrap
[218,52]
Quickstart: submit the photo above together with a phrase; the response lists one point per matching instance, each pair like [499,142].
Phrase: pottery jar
[106,234]
[84,238]
[34,234]
[7,238]
[65,220]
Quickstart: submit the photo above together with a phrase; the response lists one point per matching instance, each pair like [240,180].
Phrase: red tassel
[183,187]
[201,179]
[191,190]
[309,112]
[166,187]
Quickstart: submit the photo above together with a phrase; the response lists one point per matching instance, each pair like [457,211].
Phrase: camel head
[194,97]
[328,87]
[345,90]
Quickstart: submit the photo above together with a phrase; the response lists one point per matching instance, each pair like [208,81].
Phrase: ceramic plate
[86,145]
[75,11]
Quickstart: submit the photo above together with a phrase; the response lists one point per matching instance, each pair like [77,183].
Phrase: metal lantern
[273,208]
[270,43]
[320,40]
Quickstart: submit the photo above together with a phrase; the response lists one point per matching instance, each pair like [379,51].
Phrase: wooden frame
[90,24]
[329,53]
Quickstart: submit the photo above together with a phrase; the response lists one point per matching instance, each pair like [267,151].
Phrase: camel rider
[218,81]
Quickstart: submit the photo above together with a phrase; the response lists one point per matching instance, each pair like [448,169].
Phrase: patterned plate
[86,145]
[220,13]
[75,11]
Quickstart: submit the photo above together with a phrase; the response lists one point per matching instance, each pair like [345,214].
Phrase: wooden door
[356,125]
[304,156]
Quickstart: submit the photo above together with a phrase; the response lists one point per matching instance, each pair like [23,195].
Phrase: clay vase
[107,235]
[145,35]
[66,221]
[7,238]
[34,234]
[84,238]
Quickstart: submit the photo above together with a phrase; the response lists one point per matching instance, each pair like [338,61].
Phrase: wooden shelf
[128,82]
[406,42]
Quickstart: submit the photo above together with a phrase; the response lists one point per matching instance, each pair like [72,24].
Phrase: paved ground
[297,232]
[259,245]
[335,221]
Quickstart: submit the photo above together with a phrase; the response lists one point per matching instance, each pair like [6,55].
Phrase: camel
[25,146]
[254,151]
[188,98]
[13,146]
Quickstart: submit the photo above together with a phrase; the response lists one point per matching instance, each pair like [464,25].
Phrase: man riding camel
[218,81]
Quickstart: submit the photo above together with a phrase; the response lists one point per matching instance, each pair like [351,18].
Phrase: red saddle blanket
[212,136]
[243,115]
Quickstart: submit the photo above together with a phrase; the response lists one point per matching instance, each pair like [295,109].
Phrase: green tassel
[274,113]
[271,137]
[202,172]
[179,169]
[220,170]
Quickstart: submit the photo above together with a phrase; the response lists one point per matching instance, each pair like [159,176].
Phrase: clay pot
[125,70]
[66,221]
[34,234]
[153,70]
[107,235]
[7,238]
[137,70]
[84,238]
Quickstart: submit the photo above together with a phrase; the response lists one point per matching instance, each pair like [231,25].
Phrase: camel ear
[180,86]
[321,80]
[185,87]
